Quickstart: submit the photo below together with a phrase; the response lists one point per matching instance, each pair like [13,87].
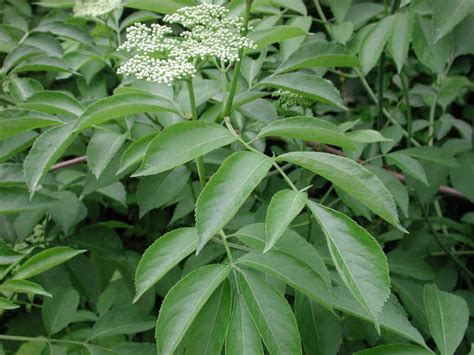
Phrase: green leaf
[374,42]
[44,63]
[409,265]
[208,331]
[160,6]
[408,165]
[358,258]
[275,34]
[59,310]
[135,153]
[102,148]
[20,54]
[121,105]
[23,286]
[46,150]
[447,14]
[242,336]
[183,142]
[437,155]
[22,88]
[392,318]
[14,145]
[320,329]
[157,190]
[458,175]
[7,304]
[45,260]
[160,257]
[183,303]
[126,319]
[271,314]
[318,54]
[15,199]
[290,270]
[11,174]
[227,190]
[351,177]
[307,85]
[15,121]
[283,208]
[448,317]
[8,255]
[401,37]
[291,243]
[307,128]
[366,136]
[53,102]
[395,349]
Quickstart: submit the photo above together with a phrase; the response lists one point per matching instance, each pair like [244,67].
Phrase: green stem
[432,120]
[235,76]
[43,340]
[199,161]
[408,110]
[321,14]
[226,246]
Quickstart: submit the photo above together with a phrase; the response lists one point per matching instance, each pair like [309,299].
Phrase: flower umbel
[160,56]
[94,8]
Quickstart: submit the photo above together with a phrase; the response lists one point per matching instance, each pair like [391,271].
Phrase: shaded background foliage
[74,223]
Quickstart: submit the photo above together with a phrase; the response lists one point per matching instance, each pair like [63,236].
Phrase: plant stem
[380,77]
[409,114]
[40,339]
[235,76]
[448,252]
[199,161]
[432,120]
[226,246]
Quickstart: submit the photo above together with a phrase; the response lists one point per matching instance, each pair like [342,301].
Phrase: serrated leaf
[46,150]
[208,331]
[307,85]
[16,199]
[53,102]
[290,270]
[399,42]
[23,286]
[160,257]
[448,317]
[183,142]
[358,258]
[307,128]
[44,63]
[227,190]
[392,318]
[15,121]
[121,320]
[320,329]
[318,54]
[408,165]
[367,136]
[58,311]
[102,148]
[135,153]
[447,14]
[22,88]
[275,34]
[183,303]
[157,190]
[435,155]
[45,260]
[18,55]
[121,105]
[242,336]
[283,208]
[351,177]
[374,42]
[271,314]
[291,243]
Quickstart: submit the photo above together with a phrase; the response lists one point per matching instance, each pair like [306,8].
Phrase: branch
[69,162]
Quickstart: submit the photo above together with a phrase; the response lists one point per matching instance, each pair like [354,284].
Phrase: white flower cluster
[94,8]
[159,56]
[287,99]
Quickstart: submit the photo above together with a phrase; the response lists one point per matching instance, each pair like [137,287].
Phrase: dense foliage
[242,177]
